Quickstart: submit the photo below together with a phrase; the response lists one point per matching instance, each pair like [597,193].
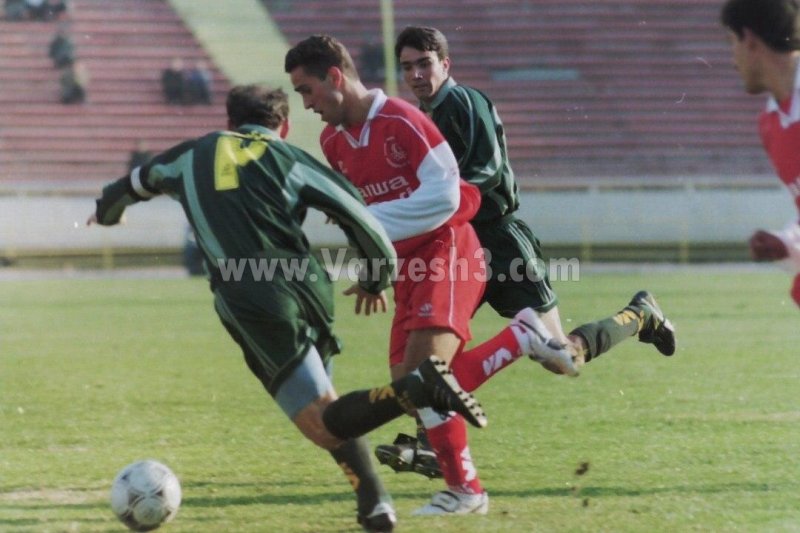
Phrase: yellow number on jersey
[232,153]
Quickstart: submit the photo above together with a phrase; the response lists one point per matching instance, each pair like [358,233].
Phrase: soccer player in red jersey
[765,41]
[409,178]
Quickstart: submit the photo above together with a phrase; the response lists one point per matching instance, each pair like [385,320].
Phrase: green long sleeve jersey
[246,193]
[473,129]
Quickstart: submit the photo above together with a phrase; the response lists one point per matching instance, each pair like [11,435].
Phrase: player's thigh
[306,384]
[278,350]
[304,395]
[422,343]
[444,296]
[269,326]
[519,273]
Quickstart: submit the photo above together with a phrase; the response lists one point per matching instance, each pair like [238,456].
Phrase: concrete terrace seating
[124,44]
[586,89]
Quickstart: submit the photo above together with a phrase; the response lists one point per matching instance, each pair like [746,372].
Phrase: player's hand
[370,302]
[765,246]
[93,220]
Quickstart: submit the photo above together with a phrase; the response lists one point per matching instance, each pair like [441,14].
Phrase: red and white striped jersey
[779,126]
[404,169]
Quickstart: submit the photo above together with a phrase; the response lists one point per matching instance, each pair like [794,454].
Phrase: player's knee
[323,438]
[311,424]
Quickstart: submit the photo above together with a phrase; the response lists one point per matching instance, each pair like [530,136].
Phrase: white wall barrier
[41,222]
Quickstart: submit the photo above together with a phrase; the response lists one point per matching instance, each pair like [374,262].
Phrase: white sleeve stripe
[136,184]
[430,205]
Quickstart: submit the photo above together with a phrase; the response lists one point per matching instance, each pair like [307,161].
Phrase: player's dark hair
[317,54]
[774,21]
[257,104]
[424,39]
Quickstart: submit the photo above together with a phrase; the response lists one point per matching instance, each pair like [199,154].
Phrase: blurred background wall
[629,131]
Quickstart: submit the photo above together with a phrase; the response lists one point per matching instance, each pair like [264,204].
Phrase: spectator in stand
[45,9]
[197,84]
[62,49]
[172,82]
[15,9]
[55,8]
[372,67]
[74,83]
[37,9]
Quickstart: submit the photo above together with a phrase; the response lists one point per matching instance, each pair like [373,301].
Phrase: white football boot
[448,502]
[538,343]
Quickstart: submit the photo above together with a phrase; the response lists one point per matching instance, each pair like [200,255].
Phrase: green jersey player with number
[245,192]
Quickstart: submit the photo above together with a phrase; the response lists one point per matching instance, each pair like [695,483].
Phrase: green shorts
[518,271]
[276,322]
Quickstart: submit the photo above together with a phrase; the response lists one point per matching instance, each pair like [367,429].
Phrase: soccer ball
[145,494]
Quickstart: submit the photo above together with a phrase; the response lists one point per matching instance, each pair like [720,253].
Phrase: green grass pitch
[95,374]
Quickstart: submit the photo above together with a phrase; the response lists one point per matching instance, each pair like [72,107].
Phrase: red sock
[449,441]
[796,290]
[473,367]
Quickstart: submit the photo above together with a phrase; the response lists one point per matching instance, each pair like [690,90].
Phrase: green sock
[602,335]
[354,459]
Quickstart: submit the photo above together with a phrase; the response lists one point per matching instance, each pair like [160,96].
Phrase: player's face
[744,63]
[321,96]
[423,72]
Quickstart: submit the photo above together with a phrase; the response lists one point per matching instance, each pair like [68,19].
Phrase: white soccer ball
[145,494]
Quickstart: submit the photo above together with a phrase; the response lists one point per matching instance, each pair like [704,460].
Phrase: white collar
[794,105]
[377,104]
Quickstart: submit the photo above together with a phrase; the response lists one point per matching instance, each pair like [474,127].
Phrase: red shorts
[439,284]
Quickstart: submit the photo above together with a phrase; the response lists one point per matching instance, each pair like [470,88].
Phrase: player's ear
[750,39]
[446,65]
[283,131]
[336,76]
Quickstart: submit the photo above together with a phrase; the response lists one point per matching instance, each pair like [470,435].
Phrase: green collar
[444,90]
[263,130]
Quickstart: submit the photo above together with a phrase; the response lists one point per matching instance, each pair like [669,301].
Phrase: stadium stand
[124,44]
[625,110]
[604,90]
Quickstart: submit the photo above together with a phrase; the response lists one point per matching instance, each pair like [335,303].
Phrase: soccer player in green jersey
[245,192]
[519,276]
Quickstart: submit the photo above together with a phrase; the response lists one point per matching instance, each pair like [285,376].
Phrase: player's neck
[784,74]
[358,105]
